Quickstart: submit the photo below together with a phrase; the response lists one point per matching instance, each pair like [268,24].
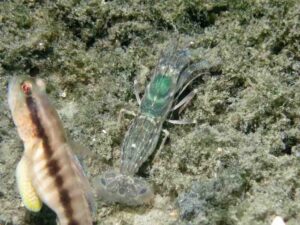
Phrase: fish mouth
[16,81]
[14,91]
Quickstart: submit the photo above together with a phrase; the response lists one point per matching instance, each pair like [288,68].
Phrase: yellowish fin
[28,194]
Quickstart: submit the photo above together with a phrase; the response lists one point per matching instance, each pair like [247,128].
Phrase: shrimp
[174,72]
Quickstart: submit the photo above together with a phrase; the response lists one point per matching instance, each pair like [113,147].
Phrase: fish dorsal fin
[78,157]
[88,191]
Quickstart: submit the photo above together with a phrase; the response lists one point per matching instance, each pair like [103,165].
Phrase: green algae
[242,157]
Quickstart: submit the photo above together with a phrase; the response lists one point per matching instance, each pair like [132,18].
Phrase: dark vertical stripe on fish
[52,164]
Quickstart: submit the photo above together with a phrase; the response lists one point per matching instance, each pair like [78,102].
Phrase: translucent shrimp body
[174,70]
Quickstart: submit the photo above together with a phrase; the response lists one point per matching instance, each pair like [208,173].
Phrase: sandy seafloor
[238,165]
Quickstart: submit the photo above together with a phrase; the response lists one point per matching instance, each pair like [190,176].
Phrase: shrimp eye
[26,87]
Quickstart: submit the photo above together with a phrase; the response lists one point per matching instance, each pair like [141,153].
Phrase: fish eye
[26,87]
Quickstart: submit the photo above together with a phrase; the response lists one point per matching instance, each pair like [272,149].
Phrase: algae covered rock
[238,165]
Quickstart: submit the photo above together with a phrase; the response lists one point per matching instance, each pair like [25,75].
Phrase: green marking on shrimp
[157,97]
[160,86]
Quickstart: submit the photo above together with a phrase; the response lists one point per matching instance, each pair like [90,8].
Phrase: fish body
[48,170]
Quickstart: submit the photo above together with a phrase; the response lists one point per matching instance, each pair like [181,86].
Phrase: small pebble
[278,221]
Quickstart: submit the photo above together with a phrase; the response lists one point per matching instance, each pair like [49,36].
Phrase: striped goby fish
[48,171]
